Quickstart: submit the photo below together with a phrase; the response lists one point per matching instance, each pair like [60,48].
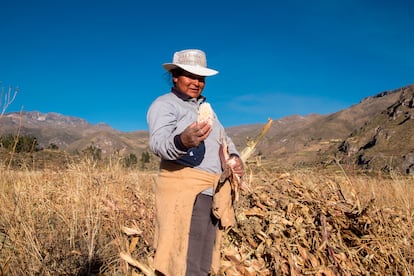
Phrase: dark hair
[174,73]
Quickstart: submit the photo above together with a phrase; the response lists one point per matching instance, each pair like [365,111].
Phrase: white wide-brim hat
[191,60]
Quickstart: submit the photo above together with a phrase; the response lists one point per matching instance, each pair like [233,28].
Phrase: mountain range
[375,134]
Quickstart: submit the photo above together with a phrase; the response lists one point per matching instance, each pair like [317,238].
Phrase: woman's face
[190,84]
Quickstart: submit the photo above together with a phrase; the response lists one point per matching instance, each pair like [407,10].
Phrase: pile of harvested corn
[295,226]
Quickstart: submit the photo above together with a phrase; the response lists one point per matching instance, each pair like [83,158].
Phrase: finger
[209,131]
[203,131]
[200,133]
[205,127]
[202,124]
[206,130]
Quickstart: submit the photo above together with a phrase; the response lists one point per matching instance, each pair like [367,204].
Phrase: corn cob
[205,113]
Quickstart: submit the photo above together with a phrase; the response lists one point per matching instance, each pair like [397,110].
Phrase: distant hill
[297,140]
[386,140]
[376,133]
[72,134]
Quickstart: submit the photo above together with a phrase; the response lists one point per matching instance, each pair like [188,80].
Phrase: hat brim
[196,70]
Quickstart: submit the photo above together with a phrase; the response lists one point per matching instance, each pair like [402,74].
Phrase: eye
[194,77]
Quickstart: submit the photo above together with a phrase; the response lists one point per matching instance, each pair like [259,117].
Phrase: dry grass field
[88,220]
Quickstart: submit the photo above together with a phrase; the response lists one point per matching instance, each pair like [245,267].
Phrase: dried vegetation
[307,223]
[90,220]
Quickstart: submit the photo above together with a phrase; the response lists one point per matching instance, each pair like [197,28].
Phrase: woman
[190,169]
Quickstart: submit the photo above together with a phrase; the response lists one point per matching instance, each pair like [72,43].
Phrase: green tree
[130,161]
[93,152]
[7,141]
[25,143]
[53,146]
[145,158]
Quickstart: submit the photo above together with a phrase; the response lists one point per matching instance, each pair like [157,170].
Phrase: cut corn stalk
[227,163]
[144,269]
[251,144]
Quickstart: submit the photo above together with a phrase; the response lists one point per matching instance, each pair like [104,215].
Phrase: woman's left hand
[237,165]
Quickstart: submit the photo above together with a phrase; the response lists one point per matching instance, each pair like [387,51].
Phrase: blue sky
[101,60]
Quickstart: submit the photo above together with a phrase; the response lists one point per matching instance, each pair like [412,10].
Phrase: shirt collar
[185,97]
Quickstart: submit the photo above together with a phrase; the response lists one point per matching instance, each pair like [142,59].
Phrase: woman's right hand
[194,134]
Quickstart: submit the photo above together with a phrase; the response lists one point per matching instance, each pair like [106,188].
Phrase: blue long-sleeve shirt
[168,116]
